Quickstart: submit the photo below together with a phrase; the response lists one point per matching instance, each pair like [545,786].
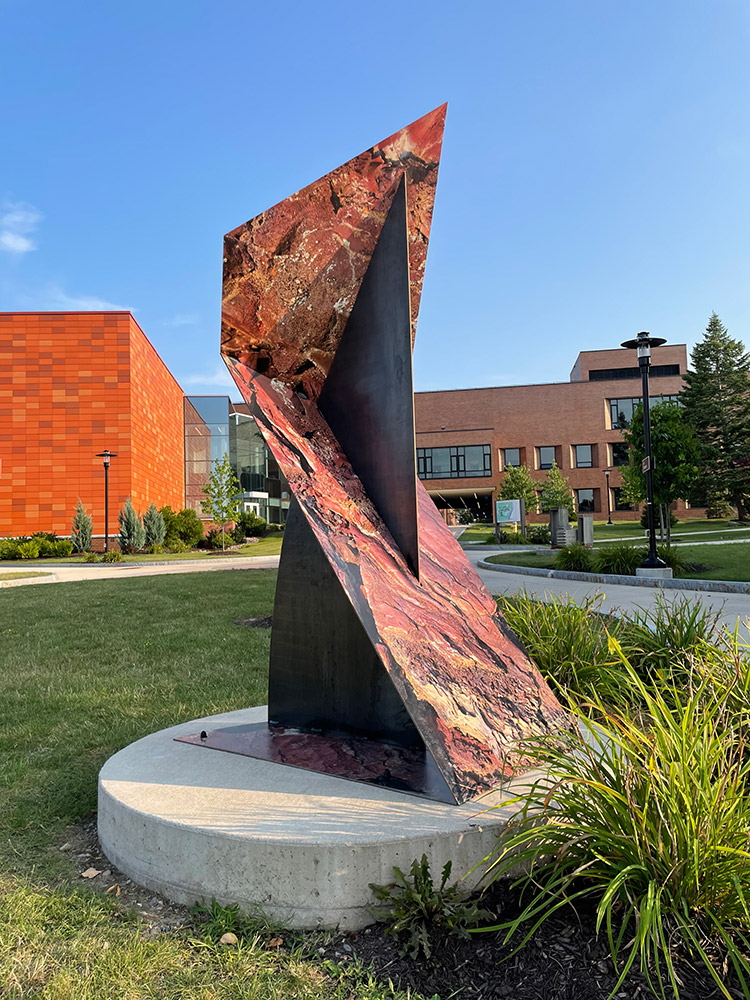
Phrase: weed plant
[648,819]
[417,907]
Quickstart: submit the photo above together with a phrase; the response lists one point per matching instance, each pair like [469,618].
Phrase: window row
[582,456]
[471,461]
[621,410]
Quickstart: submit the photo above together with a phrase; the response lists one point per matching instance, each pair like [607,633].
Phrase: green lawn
[84,670]
[627,529]
[711,562]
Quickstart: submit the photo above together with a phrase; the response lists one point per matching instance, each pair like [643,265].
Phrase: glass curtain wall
[206,439]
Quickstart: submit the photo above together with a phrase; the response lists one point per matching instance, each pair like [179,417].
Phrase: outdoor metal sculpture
[389,661]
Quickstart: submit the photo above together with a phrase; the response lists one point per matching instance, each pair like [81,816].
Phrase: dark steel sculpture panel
[324,673]
[368,397]
[325,272]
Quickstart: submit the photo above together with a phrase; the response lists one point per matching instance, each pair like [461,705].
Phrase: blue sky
[595,178]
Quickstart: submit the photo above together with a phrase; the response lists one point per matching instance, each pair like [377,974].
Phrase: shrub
[539,534]
[113,556]
[46,547]
[671,556]
[574,557]
[568,642]
[82,529]
[63,547]
[464,516]
[719,507]
[154,550]
[618,557]
[649,820]
[9,549]
[45,536]
[153,526]
[509,538]
[250,524]
[91,557]
[29,549]
[132,535]
[214,539]
[177,546]
[418,907]
[189,527]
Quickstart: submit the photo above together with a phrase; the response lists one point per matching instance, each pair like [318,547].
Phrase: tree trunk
[669,526]
[661,523]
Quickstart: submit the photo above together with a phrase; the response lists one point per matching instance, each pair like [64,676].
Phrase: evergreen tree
[132,536]
[716,403]
[154,526]
[81,531]
[222,503]
[675,456]
[555,491]
[517,484]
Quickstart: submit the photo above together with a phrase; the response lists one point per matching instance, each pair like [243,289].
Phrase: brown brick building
[466,438]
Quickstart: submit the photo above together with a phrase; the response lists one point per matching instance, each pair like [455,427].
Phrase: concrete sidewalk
[120,571]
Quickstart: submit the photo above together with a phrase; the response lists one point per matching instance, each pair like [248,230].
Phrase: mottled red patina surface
[292,276]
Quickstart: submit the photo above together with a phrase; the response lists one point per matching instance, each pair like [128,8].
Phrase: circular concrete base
[193,823]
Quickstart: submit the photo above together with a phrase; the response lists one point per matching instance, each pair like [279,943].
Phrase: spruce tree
[81,531]
[716,403]
[555,491]
[132,536]
[154,526]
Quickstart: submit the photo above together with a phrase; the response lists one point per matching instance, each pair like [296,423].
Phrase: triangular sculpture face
[389,660]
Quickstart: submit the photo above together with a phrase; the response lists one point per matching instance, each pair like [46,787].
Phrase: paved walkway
[733,607]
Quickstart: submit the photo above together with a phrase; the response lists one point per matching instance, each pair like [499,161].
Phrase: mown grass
[628,529]
[86,668]
[729,562]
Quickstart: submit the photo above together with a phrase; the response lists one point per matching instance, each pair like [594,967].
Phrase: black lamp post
[643,344]
[105,456]
[609,504]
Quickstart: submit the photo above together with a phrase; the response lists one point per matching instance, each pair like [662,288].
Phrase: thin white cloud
[220,378]
[17,222]
[182,319]
[53,297]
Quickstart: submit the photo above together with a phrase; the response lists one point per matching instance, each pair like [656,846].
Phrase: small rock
[602,967]
[65,847]
[321,951]
[347,947]
[228,939]
[107,873]
[275,942]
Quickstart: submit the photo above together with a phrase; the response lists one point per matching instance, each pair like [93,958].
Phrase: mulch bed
[563,961]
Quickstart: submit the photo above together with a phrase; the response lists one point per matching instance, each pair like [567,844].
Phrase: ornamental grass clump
[568,642]
[649,819]
[574,557]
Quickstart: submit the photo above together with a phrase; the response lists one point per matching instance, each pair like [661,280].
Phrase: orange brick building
[466,438]
[71,385]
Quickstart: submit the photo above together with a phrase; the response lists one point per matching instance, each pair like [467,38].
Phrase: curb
[28,580]
[713,586]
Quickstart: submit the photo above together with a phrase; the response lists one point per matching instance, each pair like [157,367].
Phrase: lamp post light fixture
[643,344]
[609,504]
[106,457]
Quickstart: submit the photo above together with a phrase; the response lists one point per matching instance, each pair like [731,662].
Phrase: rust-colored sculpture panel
[416,623]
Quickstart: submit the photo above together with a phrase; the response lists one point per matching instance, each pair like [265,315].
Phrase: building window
[618,500]
[620,454]
[546,456]
[470,461]
[621,410]
[612,374]
[585,501]
[511,458]
[584,456]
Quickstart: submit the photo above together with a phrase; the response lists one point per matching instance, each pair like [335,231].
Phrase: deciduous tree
[222,503]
